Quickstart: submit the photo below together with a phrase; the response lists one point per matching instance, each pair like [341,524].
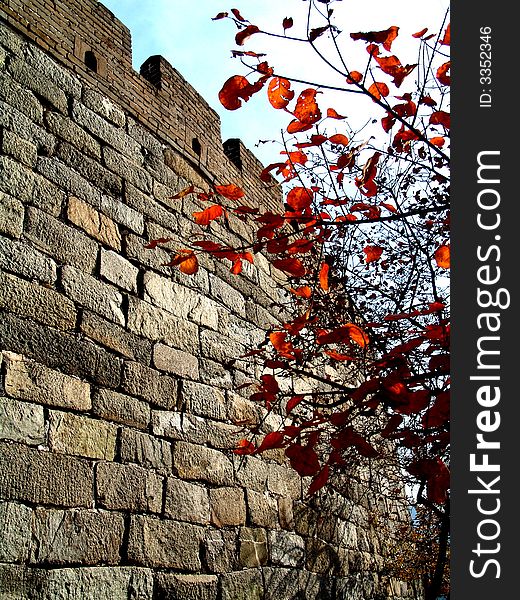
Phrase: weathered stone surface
[66,129]
[15,521]
[228,506]
[160,325]
[160,543]
[57,349]
[171,586]
[122,214]
[186,502]
[37,302]
[242,585]
[29,380]
[118,270]
[197,462]
[20,149]
[251,472]
[128,487]
[281,582]
[14,582]
[144,138]
[245,412]
[129,170]
[285,513]
[219,550]
[145,450]
[81,436]
[11,215]
[68,179]
[203,400]
[103,107]
[320,556]
[262,509]
[30,475]
[20,98]
[21,422]
[213,374]
[14,120]
[220,348]
[22,259]
[49,69]
[286,549]
[93,294]
[89,537]
[175,361]
[156,259]
[115,337]
[22,183]
[93,222]
[226,294]
[121,408]
[157,388]
[253,547]
[147,206]
[284,481]
[65,244]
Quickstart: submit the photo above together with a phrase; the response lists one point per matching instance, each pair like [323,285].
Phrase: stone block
[145,450]
[215,375]
[220,550]
[66,129]
[92,294]
[321,557]
[30,475]
[175,361]
[242,585]
[282,582]
[286,549]
[64,243]
[122,214]
[128,487]
[49,69]
[103,107]
[227,295]
[37,302]
[171,586]
[203,400]
[284,481]
[29,380]
[219,348]
[252,547]
[81,436]
[88,537]
[156,388]
[160,543]
[11,215]
[140,134]
[20,149]
[118,270]
[285,513]
[251,472]
[228,506]
[26,185]
[160,325]
[114,406]
[243,412]
[200,463]
[262,509]
[20,98]
[68,179]
[93,222]
[21,422]
[115,337]
[186,502]
[22,259]
[15,521]
[14,120]
[135,249]
[128,169]
[147,206]
[69,352]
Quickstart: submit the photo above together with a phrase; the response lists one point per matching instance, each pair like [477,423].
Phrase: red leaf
[385,37]
[419,34]
[338,356]
[344,333]
[236,89]
[440,117]
[287,23]
[270,384]
[315,140]
[279,92]
[437,141]
[243,35]
[299,198]
[291,266]
[296,126]
[230,191]
[189,190]
[354,77]
[447,35]
[442,256]
[442,76]
[333,114]
[154,243]
[373,253]
[324,276]
[221,15]
[307,110]
[293,402]
[237,14]
[339,138]
[303,459]
[378,89]
[209,214]
[319,481]
[315,33]
[271,440]
[244,447]
[187,262]
[303,292]
[300,247]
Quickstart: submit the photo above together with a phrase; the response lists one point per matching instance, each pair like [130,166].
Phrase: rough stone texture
[160,543]
[15,521]
[11,215]
[21,422]
[186,587]
[262,509]
[29,380]
[121,408]
[93,222]
[145,450]
[157,388]
[286,549]
[128,487]
[82,436]
[227,506]
[186,502]
[253,547]
[203,400]
[22,259]
[243,585]
[118,270]
[91,537]
[196,462]
[220,550]
[175,361]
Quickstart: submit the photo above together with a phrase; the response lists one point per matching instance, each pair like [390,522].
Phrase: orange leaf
[279,92]
[187,261]
[373,253]
[385,37]
[333,114]
[378,89]
[440,117]
[337,355]
[442,256]
[339,138]
[324,276]
[442,76]
[154,243]
[437,141]
[291,266]
[303,292]
[244,447]
[354,77]
[230,191]
[189,190]
[205,217]
[447,35]
[419,34]
[299,198]
[296,126]
[343,333]
[243,35]
[281,345]
[307,110]
[234,90]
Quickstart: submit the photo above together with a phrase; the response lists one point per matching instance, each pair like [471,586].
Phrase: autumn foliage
[363,240]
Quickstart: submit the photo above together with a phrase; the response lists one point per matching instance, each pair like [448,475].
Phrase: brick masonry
[118,408]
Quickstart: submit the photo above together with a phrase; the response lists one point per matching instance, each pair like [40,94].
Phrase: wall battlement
[119,403]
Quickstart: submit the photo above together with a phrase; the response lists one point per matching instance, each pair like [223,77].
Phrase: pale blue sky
[199,48]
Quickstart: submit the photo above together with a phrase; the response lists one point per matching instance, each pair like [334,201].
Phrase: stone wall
[118,406]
